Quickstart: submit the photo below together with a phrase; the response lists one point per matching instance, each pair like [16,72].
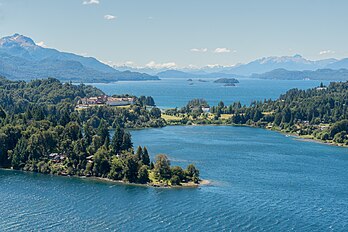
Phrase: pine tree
[139,153]
[145,157]
[117,140]
[103,131]
[126,141]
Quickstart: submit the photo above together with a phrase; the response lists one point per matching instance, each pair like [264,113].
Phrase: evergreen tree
[139,153]
[126,141]
[145,157]
[143,175]
[103,132]
[117,140]
[162,167]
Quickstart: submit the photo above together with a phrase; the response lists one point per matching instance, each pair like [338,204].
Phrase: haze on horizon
[181,33]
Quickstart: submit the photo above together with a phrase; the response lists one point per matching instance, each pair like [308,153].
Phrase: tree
[143,175]
[117,140]
[178,171]
[162,167]
[4,161]
[145,158]
[101,165]
[131,168]
[116,171]
[126,141]
[175,180]
[192,173]
[2,113]
[338,127]
[103,132]
[221,104]
[155,112]
[139,153]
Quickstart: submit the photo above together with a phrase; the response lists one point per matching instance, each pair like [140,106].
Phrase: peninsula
[64,129]
[319,113]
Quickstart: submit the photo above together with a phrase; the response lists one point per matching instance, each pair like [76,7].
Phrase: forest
[41,131]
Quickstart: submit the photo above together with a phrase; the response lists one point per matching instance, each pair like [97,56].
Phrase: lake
[261,181]
[176,92]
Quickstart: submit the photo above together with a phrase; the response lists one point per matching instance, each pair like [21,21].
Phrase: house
[89,159]
[113,101]
[56,157]
[84,103]
[205,109]
[93,100]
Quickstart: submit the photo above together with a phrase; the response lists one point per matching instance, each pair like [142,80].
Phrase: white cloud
[326,52]
[199,49]
[222,50]
[109,17]
[153,64]
[41,44]
[89,2]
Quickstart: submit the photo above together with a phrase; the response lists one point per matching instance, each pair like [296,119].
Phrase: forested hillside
[319,112]
[41,131]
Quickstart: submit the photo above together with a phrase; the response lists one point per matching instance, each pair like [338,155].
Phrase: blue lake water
[261,181]
[176,92]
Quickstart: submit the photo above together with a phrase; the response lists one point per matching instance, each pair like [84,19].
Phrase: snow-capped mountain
[22,58]
[293,63]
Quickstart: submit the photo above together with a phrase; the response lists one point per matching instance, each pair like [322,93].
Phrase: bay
[261,181]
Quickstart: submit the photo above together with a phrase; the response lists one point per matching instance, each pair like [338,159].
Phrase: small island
[226,81]
[229,84]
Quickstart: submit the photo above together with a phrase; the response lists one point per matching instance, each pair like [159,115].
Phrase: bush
[175,180]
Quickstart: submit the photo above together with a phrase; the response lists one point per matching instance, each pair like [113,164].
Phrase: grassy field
[226,116]
[170,118]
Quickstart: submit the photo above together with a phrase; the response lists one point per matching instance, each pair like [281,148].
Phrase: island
[227,81]
[64,129]
[229,84]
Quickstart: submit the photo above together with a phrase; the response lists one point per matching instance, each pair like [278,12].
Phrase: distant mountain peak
[17,40]
[282,59]
[21,58]
[297,56]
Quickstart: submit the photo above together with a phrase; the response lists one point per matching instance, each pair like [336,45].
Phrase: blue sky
[182,32]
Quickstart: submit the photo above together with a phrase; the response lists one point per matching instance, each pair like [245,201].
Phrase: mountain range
[21,58]
[291,63]
[259,66]
[319,74]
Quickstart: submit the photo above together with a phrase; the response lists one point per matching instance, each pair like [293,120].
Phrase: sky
[182,33]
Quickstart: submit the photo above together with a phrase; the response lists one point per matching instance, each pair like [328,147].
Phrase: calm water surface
[176,92]
[261,181]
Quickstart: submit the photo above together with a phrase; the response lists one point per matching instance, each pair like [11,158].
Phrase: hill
[22,59]
[320,74]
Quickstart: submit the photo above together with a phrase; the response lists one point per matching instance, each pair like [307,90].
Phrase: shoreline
[296,136]
[120,182]
[149,185]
